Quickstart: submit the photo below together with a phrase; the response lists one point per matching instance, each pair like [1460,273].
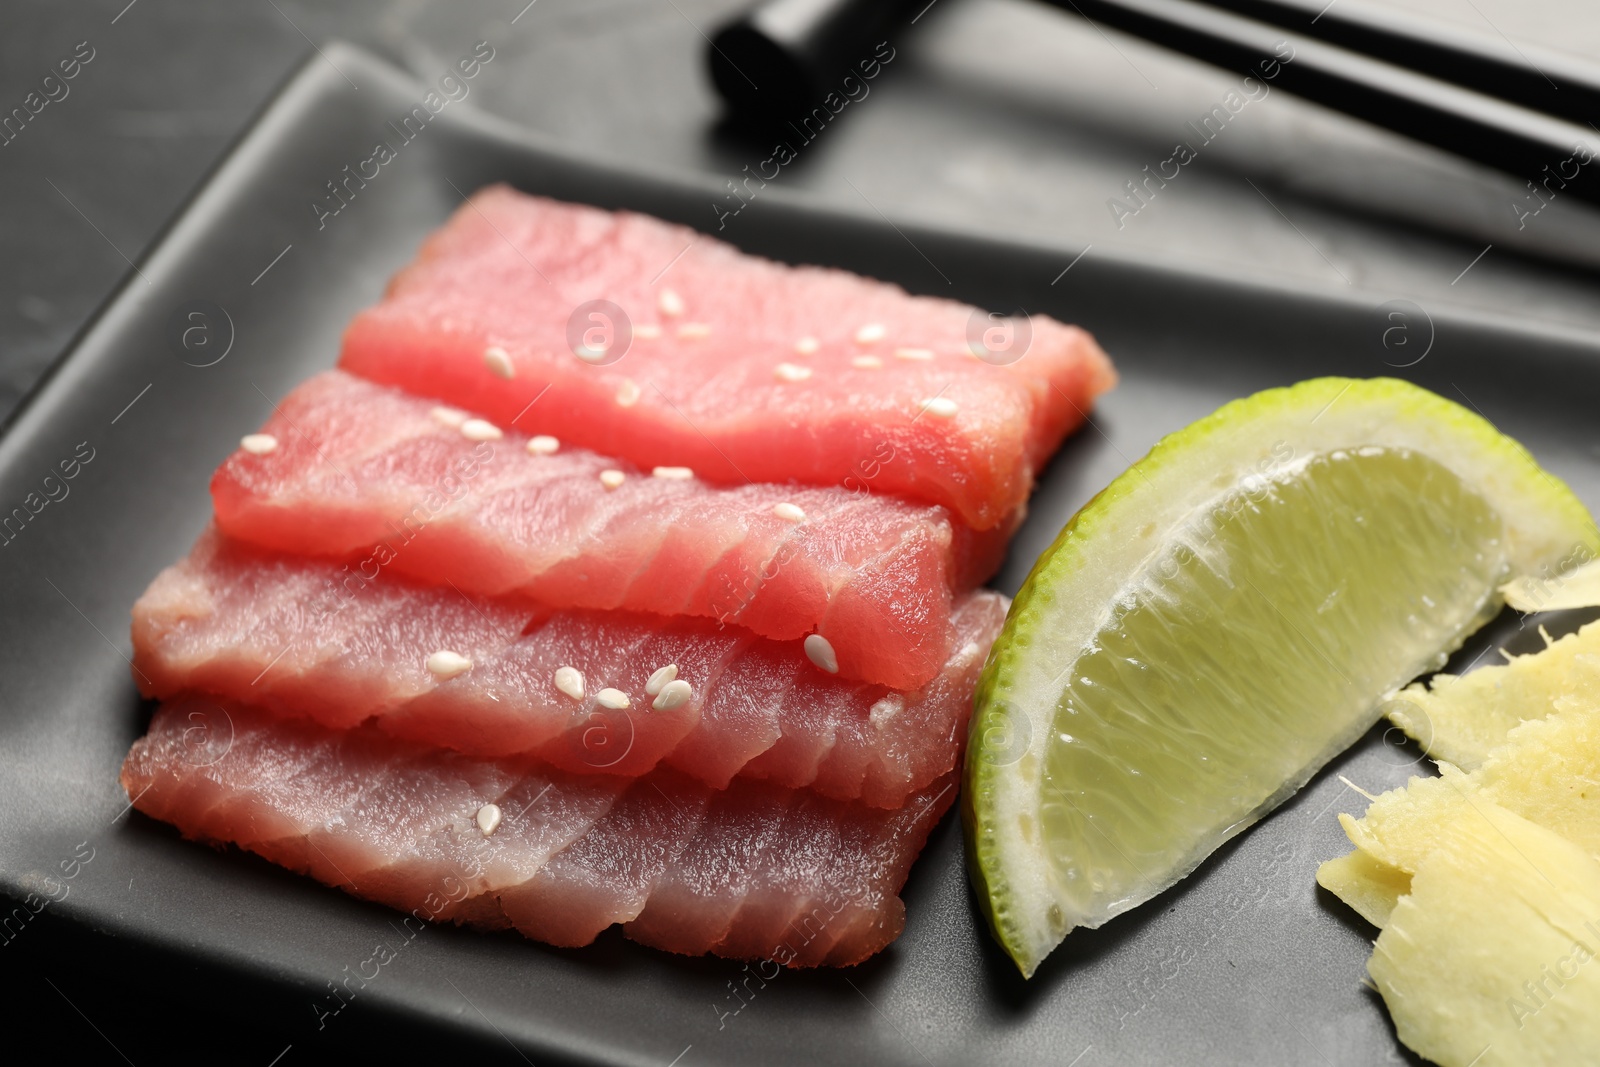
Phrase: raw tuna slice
[738,367]
[751,872]
[371,474]
[292,635]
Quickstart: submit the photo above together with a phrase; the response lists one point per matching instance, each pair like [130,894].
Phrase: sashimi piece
[295,636]
[751,872]
[647,340]
[345,805]
[789,876]
[391,482]
[606,877]
[302,637]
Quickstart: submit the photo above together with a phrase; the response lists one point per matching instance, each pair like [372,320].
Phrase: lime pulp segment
[1186,716]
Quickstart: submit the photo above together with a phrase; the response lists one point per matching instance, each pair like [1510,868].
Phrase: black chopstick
[1525,136]
[1536,78]
[1553,157]
[782,57]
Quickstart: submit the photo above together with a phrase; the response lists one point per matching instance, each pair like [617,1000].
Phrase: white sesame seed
[789,512]
[920,355]
[543,445]
[488,818]
[611,479]
[615,699]
[867,362]
[628,393]
[674,694]
[258,444]
[791,372]
[807,346]
[660,678]
[451,417]
[445,664]
[940,407]
[871,333]
[480,430]
[498,360]
[569,680]
[647,331]
[591,353]
[670,303]
[694,330]
[673,474]
[820,652]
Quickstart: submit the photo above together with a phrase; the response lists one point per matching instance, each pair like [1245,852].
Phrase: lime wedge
[1220,621]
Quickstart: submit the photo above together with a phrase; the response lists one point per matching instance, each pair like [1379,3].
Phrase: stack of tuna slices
[674,624]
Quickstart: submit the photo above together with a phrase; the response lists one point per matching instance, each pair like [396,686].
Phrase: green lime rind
[1105,544]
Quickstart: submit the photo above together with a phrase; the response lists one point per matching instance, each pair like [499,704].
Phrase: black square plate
[246,293]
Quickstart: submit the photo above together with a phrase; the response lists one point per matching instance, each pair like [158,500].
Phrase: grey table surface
[1000,117]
